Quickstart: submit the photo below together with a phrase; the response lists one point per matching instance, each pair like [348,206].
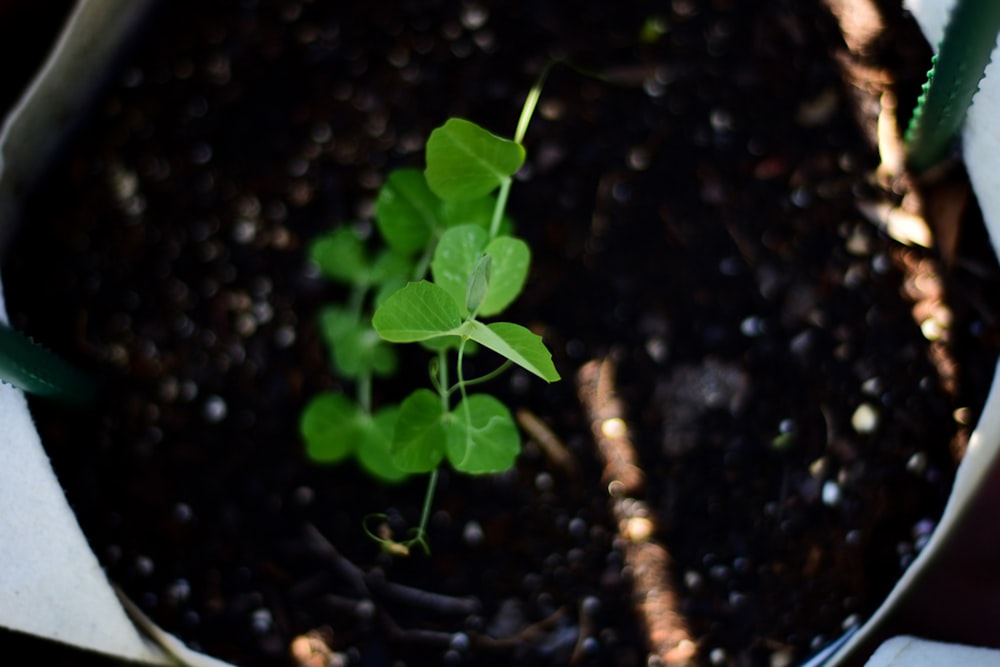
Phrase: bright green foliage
[332,426]
[488,442]
[417,312]
[516,343]
[374,451]
[419,441]
[407,212]
[464,161]
[446,221]
[355,347]
[457,253]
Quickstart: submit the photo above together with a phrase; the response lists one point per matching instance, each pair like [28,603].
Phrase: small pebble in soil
[215,409]
[831,493]
[472,534]
[865,419]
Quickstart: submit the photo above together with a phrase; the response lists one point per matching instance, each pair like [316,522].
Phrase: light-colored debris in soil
[647,562]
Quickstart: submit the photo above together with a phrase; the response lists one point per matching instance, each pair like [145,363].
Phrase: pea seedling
[449,221]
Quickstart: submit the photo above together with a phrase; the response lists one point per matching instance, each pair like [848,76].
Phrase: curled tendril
[382,535]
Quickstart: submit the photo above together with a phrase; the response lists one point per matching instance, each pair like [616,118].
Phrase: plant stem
[364,389]
[530,103]
[499,208]
[425,512]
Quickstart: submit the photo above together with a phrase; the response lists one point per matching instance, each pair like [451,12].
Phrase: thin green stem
[425,513]
[424,263]
[530,102]
[499,208]
[364,391]
[442,380]
[484,378]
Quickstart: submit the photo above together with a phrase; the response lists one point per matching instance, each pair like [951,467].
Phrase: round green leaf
[406,211]
[482,436]
[341,256]
[331,425]
[455,256]
[464,161]
[417,312]
[374,453]
[419,441]
[355,348]
[509,271]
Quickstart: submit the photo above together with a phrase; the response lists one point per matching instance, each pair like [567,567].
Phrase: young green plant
[448,221]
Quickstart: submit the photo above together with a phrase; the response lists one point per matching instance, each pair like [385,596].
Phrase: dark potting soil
[693,216]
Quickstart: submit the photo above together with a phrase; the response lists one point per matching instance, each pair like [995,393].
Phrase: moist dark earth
[691,199]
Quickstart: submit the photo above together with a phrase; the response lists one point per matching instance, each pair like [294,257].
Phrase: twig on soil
[646,560]
[550,444]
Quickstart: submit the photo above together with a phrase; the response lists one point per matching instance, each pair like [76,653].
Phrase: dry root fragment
[648,561]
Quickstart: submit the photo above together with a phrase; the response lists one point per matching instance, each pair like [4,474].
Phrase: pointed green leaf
[331,425]
[456,254]
[417,312]
[407,212]
[517,344]
[341,256]
[511,259]
[374,452]
[482,436]
[464,161]
[419,442]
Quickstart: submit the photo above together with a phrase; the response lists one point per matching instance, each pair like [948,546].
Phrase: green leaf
[515,343]
[331,425]
[456,254]
[482,436]
[417,312]
[478,212]
[341,256]
[391,267]
[478,285]
[407,212]
[464,161]
[419,442]
[509,271]
[355,348]
[374,452]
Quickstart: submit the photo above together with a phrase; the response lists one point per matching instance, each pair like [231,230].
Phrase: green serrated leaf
[374,453]
[464,161]
[456,254]
[407,212]
[419,311]
[511,259]
[331,425]
[419,441]
[482,436]
[515,343]
[341,256]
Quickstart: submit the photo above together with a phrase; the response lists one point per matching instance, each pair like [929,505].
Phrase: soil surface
[693,215]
